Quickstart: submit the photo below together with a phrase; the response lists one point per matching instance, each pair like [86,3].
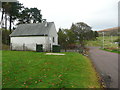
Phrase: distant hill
[110,31]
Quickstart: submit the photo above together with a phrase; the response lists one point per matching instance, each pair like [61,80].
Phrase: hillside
[110,31]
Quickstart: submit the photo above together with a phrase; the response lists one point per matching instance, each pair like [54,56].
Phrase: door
[39,47]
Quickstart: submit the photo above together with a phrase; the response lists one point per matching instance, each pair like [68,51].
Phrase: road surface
[106,64]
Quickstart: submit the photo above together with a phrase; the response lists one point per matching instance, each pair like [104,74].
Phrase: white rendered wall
[29,42]
[53,33]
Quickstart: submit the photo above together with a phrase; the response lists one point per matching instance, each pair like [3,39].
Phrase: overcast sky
[99,14]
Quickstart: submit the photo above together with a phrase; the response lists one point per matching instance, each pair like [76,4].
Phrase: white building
[28,36]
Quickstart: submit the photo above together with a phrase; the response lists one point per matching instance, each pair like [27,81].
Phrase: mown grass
[22,69]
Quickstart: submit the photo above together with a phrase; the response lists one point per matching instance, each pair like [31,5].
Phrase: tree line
[78,34]
[13,14]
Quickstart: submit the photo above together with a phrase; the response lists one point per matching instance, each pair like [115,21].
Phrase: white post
[103,40]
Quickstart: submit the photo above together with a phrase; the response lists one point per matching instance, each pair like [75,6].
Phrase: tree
[32,15]
[5,36]
[5,9]
[17,12]
[82,32]
[66,38]
[24,16]
[96,34]
[10,9]
[36,15]
[14,12]
[79,33]
[62,39]
[71,39]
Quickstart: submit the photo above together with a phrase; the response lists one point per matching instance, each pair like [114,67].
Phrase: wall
[53,33]
[29,43]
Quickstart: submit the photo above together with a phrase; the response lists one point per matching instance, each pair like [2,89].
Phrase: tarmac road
[106,64]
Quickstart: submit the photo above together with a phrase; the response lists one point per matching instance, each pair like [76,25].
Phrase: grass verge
[114,51]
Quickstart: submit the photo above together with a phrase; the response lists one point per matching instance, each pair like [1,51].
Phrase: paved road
[106,64]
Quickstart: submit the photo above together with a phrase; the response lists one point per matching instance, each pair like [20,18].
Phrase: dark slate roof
[35,29]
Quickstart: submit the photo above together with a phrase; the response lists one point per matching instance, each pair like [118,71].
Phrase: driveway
[106,64]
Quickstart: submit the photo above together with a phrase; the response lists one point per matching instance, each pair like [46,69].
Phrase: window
[53,39]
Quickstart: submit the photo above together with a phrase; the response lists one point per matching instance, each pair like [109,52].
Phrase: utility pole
[103,39]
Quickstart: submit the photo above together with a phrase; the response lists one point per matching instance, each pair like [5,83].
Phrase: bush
[117,40]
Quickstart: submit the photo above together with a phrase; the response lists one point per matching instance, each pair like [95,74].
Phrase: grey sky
[99,14]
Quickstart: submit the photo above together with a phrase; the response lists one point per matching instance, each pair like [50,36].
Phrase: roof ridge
[34,23]
[32,29]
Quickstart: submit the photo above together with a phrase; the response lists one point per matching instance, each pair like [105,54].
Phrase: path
[106,64]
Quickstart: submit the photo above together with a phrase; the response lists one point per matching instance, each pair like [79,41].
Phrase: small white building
[28,36]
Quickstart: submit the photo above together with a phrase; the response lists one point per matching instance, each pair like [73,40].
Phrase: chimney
[45,22]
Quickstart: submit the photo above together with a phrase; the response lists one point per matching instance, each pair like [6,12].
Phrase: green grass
[114,51]
[22,69]
[108,42]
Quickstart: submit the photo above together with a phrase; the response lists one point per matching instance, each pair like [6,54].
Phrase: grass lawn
[23,69]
